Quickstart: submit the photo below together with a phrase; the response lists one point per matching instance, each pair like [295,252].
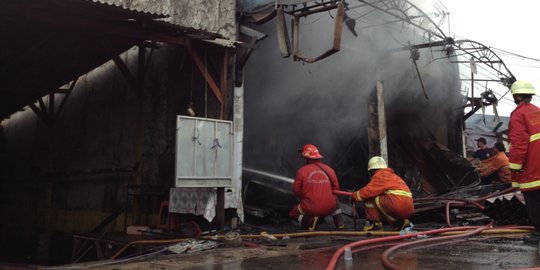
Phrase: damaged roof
[151,7]
[48,43]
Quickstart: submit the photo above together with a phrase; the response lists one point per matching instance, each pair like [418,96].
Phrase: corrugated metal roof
[209,16]
[160,8]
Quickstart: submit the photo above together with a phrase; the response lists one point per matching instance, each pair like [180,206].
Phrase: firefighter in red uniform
[524,138]
[386,197]
[313,184]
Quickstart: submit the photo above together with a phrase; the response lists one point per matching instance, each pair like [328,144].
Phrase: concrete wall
[67,178]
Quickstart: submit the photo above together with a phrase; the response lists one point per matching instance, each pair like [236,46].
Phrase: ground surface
[502,251]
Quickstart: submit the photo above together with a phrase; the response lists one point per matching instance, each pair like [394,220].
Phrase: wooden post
[220,195]
[139,133]
[377,140]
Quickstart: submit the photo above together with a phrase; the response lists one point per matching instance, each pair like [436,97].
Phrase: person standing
[314,185]
[524,138]
[386,197]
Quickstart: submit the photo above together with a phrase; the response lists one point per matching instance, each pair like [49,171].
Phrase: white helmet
[375,163]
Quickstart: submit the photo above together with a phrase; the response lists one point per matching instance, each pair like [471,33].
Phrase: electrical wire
[515,54]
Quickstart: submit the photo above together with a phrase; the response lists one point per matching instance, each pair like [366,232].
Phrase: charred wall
[67,178]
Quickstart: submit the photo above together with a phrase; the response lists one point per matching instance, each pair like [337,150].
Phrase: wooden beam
[382,120]
[51,105]
[131,80]
[215,89]
[67,93]
[38,112]
[224,83]
[377,139]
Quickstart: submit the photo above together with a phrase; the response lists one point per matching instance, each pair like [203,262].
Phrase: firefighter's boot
[403,225]
[309,223]
[373,226]
[338,221]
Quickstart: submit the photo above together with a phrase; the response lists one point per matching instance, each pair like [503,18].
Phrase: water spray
[271,175]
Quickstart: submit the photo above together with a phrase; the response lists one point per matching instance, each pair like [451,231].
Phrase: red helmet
[310,151]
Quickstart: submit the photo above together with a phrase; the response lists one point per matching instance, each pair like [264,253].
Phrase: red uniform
[524,137]
[386,195]
[313,184]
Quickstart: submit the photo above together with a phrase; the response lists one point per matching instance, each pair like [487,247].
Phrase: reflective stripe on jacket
[383,181]
[524,137]
[390,194]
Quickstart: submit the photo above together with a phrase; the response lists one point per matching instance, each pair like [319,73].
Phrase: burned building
[327,102]
[93,90]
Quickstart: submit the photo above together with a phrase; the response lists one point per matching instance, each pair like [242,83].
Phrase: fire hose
[380,240]
[440,240]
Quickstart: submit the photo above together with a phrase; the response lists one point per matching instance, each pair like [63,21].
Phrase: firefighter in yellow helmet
[524,138]
[387,197]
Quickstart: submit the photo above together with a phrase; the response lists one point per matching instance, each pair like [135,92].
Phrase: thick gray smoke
[289,103]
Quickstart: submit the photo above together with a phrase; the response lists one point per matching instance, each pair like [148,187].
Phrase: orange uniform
[386,195]
[497,164]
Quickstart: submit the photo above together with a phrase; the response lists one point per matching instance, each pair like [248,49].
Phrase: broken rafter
[49,113]
[336,44]
[131,80]
[389,10]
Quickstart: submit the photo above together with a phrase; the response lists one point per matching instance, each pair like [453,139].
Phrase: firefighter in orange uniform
[313,184]
[386,197]
[496,168]
[524,138]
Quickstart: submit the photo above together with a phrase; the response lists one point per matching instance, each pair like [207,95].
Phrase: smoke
[289,104]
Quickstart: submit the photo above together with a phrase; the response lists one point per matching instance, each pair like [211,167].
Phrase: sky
[510,26]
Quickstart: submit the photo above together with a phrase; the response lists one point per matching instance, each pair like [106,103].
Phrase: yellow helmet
[375,163]
[522,87]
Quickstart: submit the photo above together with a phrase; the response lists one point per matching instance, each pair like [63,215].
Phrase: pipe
[440,240]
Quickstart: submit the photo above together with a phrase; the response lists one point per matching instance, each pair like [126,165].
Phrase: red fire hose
[386,262]
[339,252]
[344,193]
